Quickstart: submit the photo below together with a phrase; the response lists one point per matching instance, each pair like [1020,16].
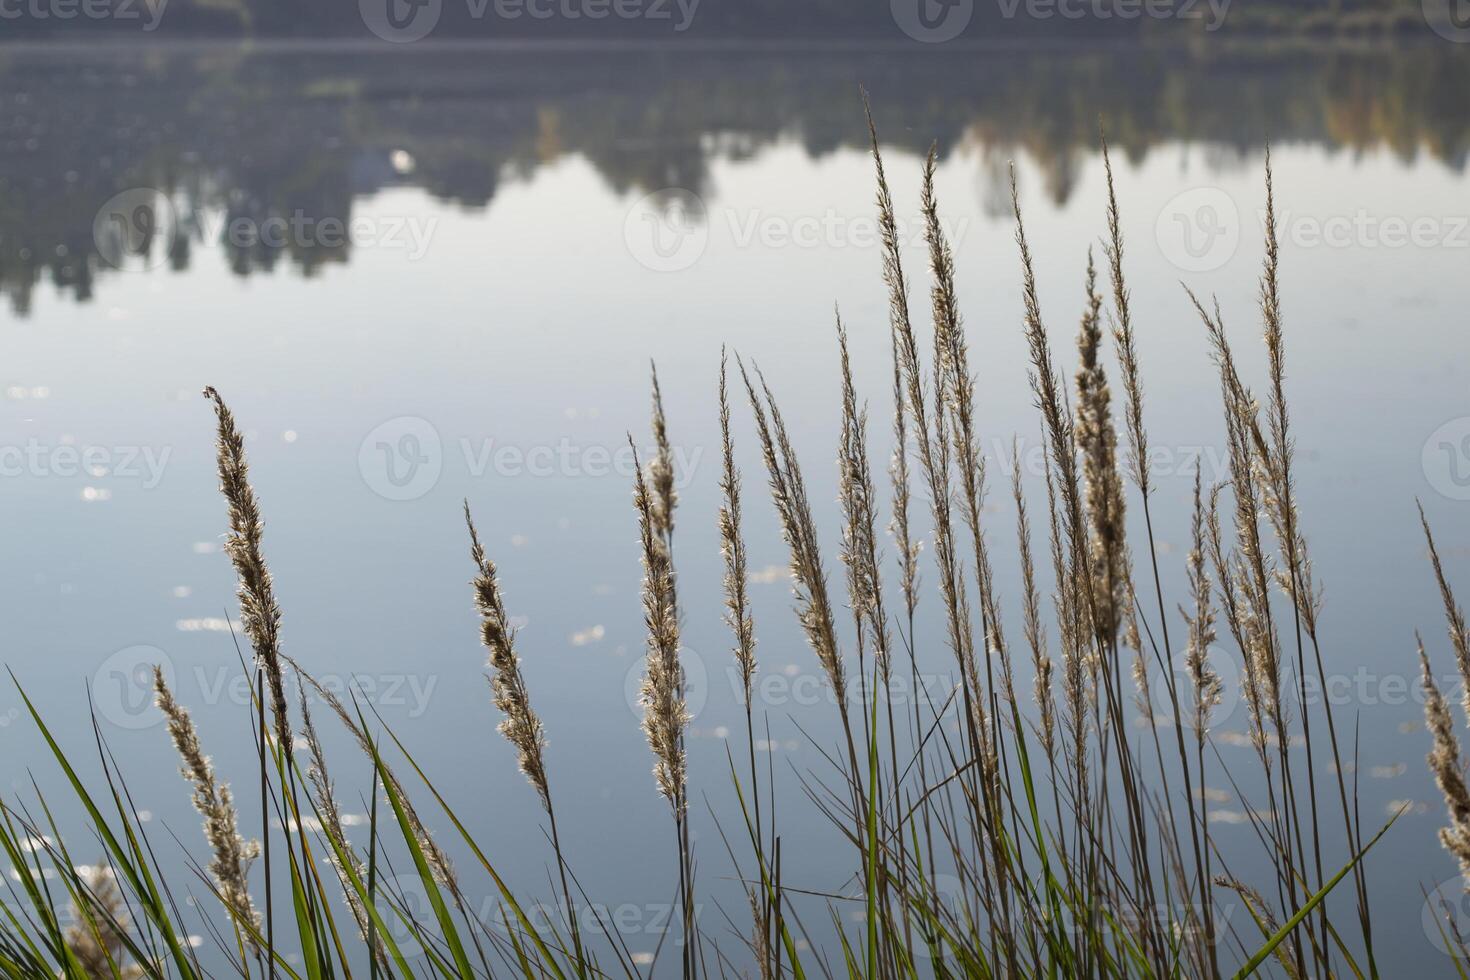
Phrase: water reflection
[264,154]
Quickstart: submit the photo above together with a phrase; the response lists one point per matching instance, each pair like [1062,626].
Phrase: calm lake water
[419,277]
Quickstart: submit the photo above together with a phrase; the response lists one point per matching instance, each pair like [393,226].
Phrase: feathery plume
[258,610]
[521,727]
[908,395]
[813,605]
[1123,337]
[1098,440]
[1274,459]
[661,467]
[1448,769]
[1454,615]
[665,714]
[898,473]
[1031,613]
[955,397]
[1047,390]
[1249,609]
[732,548]
[1075,671]
[213,800]
[859,511]
[1202,677]
[933,449]
[98,936]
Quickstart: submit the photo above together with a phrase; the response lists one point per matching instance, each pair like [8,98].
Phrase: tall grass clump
[1050,825]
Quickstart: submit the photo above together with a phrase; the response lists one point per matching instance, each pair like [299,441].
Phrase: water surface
[429,276]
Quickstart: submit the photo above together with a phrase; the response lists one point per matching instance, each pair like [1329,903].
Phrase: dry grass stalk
[665,713]
[520,726]
[1248,565]
[1260,909]
[1275,459]
[1076,690]
[955,394]
[1253,623]
[1454,615]
[732,549]
[1124,340]
[1060,435]
[742,625]
[331,814]
[439,862]
[1448,769]
[933,449]
[1203,679]
[1226,575]
[1097,440]
[1033,628]
[905,360]
[259,613]
[232,854]
[860,518]
[898,472]
[1056,420]
[661,467]
[813,605]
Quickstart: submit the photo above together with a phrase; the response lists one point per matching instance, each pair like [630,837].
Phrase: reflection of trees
[255,136]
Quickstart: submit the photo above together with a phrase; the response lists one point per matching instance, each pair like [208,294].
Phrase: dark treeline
[226,134]
[816,20]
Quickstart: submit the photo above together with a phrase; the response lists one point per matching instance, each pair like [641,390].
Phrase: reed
[232,854]
[1016,826]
